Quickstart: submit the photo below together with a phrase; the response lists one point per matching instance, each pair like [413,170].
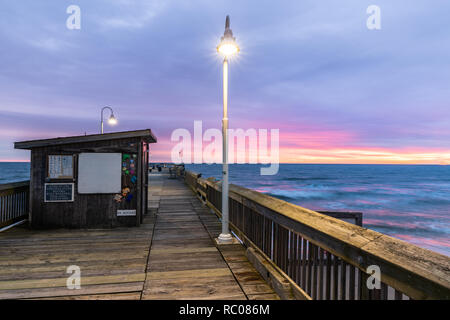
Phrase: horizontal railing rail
[325,257]
[354,217]
[14,202]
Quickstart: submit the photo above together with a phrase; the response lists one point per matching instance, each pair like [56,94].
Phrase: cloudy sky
[338,92]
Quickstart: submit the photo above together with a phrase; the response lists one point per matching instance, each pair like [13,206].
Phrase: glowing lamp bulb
[112,120]
[228,49]
[228,46]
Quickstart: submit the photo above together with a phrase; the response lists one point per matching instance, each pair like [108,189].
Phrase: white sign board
[126,213]
[99,173]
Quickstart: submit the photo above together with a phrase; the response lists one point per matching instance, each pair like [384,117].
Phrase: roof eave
[146,133]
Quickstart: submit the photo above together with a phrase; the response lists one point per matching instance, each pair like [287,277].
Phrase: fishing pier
[161,244]
[171,255]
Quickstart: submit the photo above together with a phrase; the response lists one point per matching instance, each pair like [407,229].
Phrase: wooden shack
[90,181]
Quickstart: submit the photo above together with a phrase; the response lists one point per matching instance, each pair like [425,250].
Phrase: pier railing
[14,202]
[326,258]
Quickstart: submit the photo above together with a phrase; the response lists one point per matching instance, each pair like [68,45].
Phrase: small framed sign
[59,192]
[60,166]
[126,213]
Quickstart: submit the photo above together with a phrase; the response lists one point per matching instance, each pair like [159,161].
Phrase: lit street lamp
[112,120]
[227,48]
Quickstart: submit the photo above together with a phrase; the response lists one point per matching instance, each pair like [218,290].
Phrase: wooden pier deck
[171,256]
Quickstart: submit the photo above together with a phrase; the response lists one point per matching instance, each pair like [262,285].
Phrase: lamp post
[112,120]
[227,48]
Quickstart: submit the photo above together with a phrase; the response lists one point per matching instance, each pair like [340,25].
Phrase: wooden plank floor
[171,256]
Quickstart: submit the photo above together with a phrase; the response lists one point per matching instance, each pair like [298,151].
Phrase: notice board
[58,192]
[99,173]
[60,166]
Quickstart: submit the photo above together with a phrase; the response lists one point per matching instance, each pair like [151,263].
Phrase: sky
[337,91]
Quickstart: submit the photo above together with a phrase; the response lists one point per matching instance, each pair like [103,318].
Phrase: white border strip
[13,225]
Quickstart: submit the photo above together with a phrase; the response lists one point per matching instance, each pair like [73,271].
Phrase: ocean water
[408,202]
[14,172]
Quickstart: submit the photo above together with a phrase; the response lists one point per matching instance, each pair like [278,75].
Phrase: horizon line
[308,163]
